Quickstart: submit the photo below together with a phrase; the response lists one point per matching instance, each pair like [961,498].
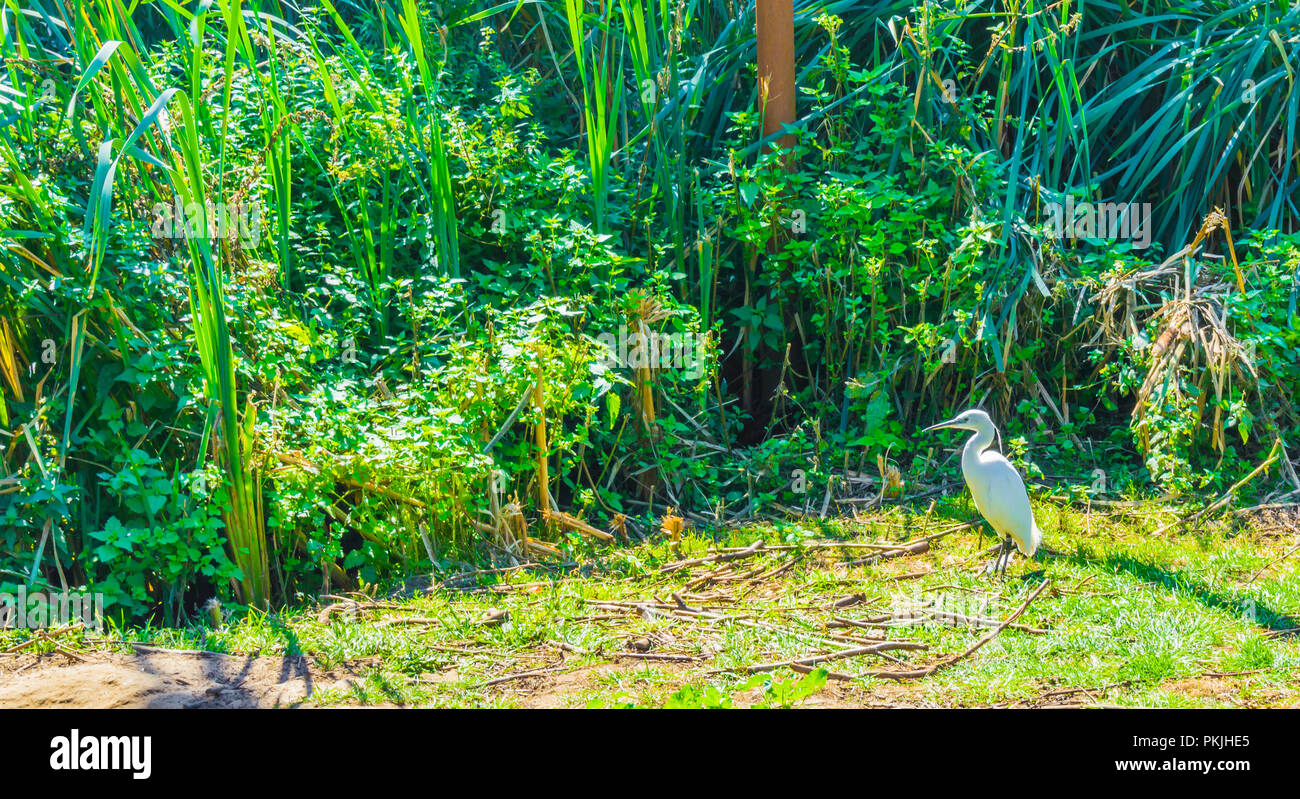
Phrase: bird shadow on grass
[1241,605]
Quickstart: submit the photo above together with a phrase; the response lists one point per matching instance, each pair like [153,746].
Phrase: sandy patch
[161,679]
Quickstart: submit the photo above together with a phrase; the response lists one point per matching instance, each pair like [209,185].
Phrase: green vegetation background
[446,211]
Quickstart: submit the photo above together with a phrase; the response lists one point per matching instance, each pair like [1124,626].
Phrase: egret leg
[998,563]
[1006,557]
[998,567]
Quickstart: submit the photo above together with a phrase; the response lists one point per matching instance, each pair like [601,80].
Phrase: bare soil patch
[161,679]
[1228,690]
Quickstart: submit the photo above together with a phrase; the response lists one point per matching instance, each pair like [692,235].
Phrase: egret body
[996,486]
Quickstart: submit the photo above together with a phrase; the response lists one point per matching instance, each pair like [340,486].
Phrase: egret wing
[1000,496]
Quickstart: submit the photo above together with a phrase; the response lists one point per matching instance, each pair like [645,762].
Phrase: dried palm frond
[1194,338]
[647,311]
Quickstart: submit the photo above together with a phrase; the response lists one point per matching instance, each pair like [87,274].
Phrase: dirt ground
[155,678]
[1151,622]
[152,678]
[562,689]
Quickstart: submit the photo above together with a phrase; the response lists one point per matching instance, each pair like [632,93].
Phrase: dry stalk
[1193,331]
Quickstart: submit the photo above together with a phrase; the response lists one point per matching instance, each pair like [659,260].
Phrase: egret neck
[976,444]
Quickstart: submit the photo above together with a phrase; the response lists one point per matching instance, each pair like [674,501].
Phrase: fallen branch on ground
[941,616]
[655,656]
[46,637]
[943,664]
[830,675]
[519,676]
[721,557]
[407,620]
[813,660]
[474,575]
[1234,673]
[351,606]
[1063,692]
[917,548]
[576,524]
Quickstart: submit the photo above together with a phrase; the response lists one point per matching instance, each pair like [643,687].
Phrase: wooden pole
[776,97]
[776,66]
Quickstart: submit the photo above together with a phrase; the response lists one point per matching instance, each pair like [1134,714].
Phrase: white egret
[996,486]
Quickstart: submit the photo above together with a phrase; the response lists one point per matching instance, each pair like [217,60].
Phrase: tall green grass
[598,55]
[423,117]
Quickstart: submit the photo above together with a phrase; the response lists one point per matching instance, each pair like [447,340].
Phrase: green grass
[1132,619]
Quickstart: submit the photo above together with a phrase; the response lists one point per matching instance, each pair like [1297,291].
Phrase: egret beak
[941,425]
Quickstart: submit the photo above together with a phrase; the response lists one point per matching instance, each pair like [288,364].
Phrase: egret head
[973,419]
